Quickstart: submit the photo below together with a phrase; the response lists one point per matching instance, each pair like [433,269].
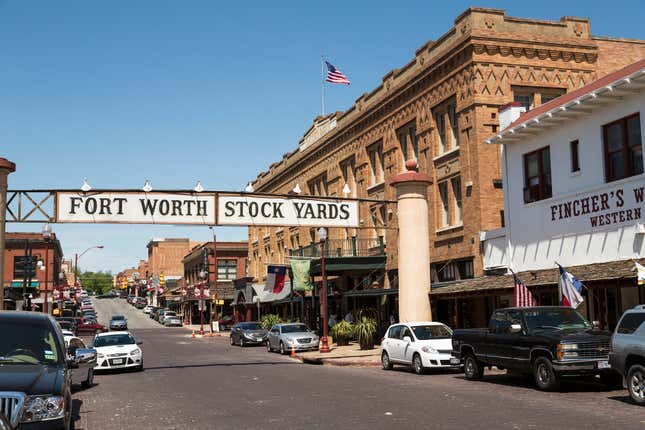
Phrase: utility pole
[6,167]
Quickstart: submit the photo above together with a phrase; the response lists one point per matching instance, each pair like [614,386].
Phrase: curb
[338,362]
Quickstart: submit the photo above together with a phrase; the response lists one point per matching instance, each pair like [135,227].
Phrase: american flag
[523,297]
[334,75]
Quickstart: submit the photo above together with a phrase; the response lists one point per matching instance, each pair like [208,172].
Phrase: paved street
[206,384]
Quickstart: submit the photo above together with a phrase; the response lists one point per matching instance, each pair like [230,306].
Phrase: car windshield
[296,328]
[251,326]
[555,319]
[114,339]
[425,332]
[117,317]
[28,342]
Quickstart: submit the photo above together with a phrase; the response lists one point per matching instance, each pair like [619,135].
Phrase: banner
[301,278]
[134,208]
[249,210]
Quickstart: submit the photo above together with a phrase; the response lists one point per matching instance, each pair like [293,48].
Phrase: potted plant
[342,332]
[364,331]
[269,320]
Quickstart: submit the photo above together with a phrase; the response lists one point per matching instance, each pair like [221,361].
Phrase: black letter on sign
[266,205]
[299,207]
[344,211]
[105,206]
[277,210]
[148,205]
[120,201]
[164,207]
[76,203]
[90,206]
[230,210]
[201,208]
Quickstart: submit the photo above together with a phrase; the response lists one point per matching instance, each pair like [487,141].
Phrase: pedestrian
[349,317]
[332,320]
[392,318]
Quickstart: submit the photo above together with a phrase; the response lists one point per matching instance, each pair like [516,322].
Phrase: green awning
[18,284]
[372,292]
[342,265]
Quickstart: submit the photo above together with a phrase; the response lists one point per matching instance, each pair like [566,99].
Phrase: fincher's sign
[135,208]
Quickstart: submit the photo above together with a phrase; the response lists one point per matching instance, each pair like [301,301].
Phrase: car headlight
[40,408]
[291,341]
[135,351]
[567,350]
[429,350]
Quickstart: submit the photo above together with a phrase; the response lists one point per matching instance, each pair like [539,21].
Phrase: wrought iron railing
[351,247]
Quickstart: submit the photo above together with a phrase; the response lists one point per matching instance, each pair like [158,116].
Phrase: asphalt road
[207,384]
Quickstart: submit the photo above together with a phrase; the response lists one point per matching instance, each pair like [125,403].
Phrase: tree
[98,282]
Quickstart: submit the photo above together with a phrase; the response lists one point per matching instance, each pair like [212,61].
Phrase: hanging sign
[249,210]
[134,208]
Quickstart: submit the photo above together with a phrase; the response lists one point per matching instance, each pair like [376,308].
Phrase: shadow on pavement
[568,385]
[623,399]
[253,363]
[76,412]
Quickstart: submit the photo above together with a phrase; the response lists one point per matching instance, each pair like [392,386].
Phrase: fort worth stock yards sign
[178,208]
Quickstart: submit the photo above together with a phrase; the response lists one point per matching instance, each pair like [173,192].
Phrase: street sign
[250,210]
[134,208]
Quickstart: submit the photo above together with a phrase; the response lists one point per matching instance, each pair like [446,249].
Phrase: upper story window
[318,185]
[574,149]
[623,148]
[443,209]
[537,175]
[226,269]
[348,170]
[445,116]
[407,136]
[375,155]
[531,97]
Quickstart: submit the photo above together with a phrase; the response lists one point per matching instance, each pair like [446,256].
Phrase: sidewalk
[350,355]
[207,331]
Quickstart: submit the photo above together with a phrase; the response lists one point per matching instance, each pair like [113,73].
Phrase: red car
[88,326]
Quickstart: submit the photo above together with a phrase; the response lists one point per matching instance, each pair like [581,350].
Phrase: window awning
[343,265]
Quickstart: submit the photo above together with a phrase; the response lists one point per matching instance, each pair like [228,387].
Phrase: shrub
[269,320]
[364,331]
[342,332]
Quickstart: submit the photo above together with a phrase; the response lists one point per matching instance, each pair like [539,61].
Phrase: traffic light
[162,281]
[124,284]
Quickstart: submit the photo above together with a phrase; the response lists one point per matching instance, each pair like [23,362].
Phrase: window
[575,160]
[452,270]
[445,116]
[525,100]
[318,185]
[375,154]
[407,136]
[531,97]
[550,94]
[497,322]
[630,323]
[226,269]
[456,192]
[623,148]
[395,332]
[537,175]
[348,169]
[443,194]
[24,267]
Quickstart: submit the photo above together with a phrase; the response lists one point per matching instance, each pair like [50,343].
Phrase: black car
[35,373]
[547,342]
[248,333]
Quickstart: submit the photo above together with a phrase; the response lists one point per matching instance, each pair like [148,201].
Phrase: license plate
[117,361]
[603,365]
[454,360]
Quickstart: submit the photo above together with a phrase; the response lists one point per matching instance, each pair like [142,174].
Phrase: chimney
[509,113]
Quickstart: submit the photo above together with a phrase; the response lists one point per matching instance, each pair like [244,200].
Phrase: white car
[147,309]
[118,350]
[421,345]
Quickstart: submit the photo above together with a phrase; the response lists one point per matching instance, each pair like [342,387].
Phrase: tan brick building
[165,256]
[437,109]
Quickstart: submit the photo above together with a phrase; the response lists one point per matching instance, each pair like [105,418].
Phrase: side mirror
[595,324]
[87,355]
[72,363]
[516,328]
[407,339]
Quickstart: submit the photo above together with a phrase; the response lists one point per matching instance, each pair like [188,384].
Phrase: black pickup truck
[546,342]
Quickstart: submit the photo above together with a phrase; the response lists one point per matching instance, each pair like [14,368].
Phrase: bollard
[193,336]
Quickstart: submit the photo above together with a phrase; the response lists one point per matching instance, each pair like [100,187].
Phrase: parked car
[118,350]
[67,325]
[248,333]
[421,345]
[84,373]
[118,322]
[34,360]
[90,326]
[153,311]
[172,320]
[140,303]
[627,355]
[147,309]
[293,336]
[160,314]
[548,342]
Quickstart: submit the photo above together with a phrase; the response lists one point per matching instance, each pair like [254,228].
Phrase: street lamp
[202,274]
[47,235]
[61,276]
[76,257]
[322,235]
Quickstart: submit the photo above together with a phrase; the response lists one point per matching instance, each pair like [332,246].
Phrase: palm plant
[342,332]
[269,320]
[364,331]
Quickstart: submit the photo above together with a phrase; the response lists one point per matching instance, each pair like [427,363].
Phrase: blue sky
[179,91]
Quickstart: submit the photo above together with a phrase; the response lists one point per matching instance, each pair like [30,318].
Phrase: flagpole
[322,81]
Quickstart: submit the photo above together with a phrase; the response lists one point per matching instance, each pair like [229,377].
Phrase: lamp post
[47,235]
[202,274]
[324,345]
[76,257]
[61,276]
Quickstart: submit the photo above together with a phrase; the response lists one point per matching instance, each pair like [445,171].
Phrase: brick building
[30,278]
[231,264]
[437,109]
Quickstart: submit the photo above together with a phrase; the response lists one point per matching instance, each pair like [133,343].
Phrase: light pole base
[324,345]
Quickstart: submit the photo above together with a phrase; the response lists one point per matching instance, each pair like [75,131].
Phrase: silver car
[171,319]
[627,355]
[291,337]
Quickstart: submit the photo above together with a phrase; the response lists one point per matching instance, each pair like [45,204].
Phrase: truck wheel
[636,383]
[545,377]
[473,368]
[611,379]
[385,361]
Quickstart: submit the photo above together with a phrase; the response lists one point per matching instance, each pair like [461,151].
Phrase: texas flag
[275,278]
[570,289]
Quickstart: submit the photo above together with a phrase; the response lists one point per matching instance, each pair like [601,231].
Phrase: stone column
[6,167]
[414,238]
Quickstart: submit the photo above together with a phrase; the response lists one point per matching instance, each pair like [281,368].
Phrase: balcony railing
[352,247]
